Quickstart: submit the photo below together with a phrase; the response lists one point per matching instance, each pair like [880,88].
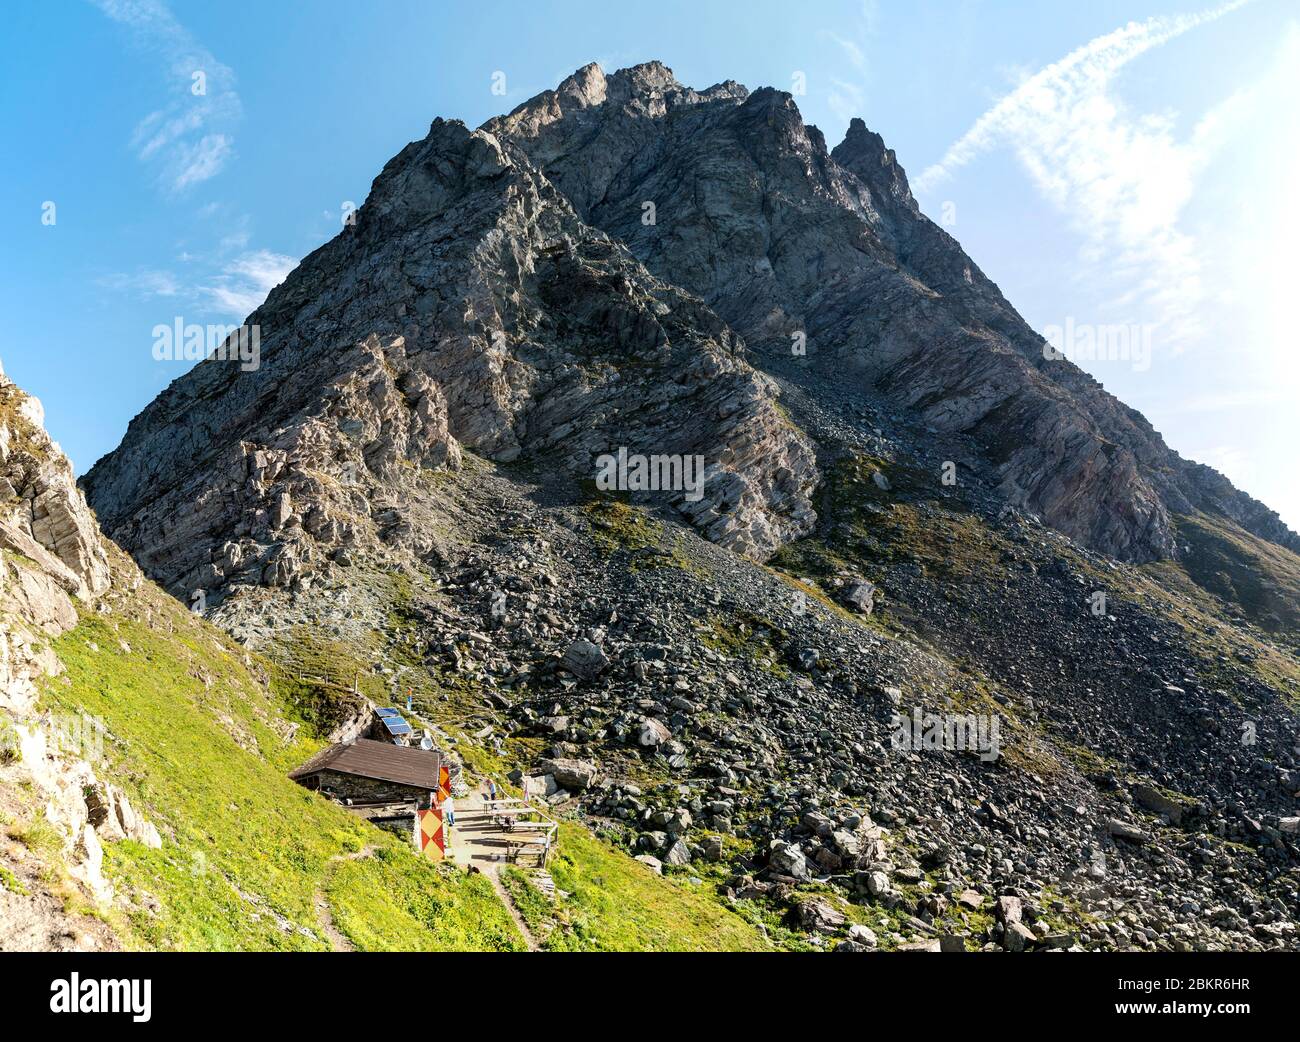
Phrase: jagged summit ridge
[502,292]
[780,236]
[468,308]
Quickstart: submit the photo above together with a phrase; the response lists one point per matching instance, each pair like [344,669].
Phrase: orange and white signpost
[429,833]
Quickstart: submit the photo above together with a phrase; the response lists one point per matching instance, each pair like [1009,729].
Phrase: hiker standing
[449,811]
[492,790]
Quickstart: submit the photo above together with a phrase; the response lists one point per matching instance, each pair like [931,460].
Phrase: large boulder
[1008,909]
[820,917]
[652,733]
[1152,799]
[678,853]
[585,660]
[570,774]
[860,595]
[1125,830]
[788,860]
[1017,937]
[864,935]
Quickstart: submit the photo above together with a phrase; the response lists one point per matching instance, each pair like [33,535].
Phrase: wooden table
[515,847]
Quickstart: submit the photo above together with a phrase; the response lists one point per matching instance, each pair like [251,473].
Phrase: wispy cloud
[852,50]
[188,139]
[242,287]
[1042,109]
[847,95]
[201,160]
[1122,179]
[232,286]
[146,283]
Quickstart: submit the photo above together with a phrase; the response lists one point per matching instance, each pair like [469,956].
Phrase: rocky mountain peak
[587,85]
[863,153]
[785,241]
[43,515]
[601,268]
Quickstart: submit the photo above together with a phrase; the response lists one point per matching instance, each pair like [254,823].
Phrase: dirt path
[478,844]
[493,874]
[338,941]
[324,916]
[475,842]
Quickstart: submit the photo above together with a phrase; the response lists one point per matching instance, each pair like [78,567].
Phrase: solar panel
[395,724]
[388,712]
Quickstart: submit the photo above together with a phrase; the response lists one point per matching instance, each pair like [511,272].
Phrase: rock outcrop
[467,308]
[54,564]
[43,515]
[784,238]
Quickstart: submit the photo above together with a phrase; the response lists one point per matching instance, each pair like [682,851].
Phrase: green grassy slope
[202,735]
[1260,578]
[613,903]
[203,749]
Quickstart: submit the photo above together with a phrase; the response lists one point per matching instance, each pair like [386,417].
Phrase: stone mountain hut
[365,772]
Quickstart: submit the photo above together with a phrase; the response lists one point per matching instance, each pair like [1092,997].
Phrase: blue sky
[1113,166]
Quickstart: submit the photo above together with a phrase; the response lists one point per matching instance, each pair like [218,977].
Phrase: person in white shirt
[449,812]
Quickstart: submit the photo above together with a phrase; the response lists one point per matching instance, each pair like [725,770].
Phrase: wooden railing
[527,828]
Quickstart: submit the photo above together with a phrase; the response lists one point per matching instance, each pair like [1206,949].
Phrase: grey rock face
[43,515]
[468,308]
[782,237]
[582,275]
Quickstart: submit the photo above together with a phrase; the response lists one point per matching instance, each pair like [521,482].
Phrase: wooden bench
[547,827]
[517,847]
[508,817]
[528,826]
